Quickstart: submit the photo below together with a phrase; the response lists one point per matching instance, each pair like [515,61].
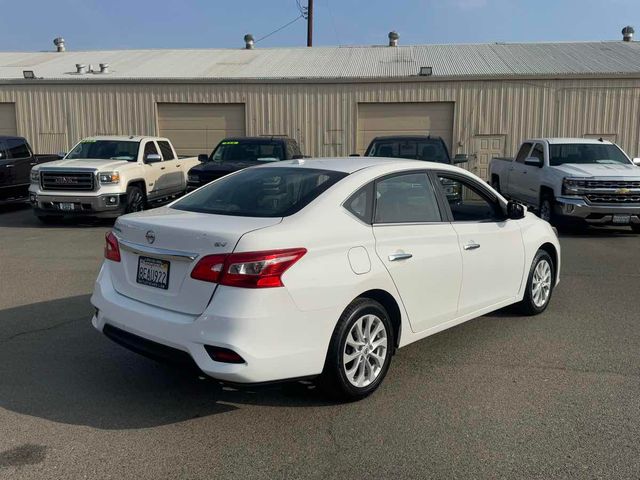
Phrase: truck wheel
[495,183]
[359,351]
[545,211]
[135,199]
[539,285]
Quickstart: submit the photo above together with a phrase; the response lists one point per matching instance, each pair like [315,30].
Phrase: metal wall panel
[323,117]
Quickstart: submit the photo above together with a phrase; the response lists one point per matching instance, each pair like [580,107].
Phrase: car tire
[135,199]
[47,219]
[546,210]
[540,284]
[359,352]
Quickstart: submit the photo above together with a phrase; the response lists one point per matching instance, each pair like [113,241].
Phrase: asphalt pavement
[502,396]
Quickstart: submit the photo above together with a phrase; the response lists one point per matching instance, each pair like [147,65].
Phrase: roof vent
[81,68]
[393,39]
[59,43]
[104,68]
[249,42]
[627,33]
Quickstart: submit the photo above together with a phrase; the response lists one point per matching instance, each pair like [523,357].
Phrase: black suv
[235,153]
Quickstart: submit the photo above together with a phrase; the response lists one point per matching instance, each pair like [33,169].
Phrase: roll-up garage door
[196,128]
[8,119]
[378,119]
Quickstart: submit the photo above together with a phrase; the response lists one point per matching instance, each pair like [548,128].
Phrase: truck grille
[67,181]
[612,184]
[613,198]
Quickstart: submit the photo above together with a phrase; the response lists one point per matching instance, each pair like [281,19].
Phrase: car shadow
[55,365]
[595,232]
[20,215]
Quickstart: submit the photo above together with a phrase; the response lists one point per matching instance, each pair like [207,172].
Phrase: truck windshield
[428,149]
[586,153]
[105,150]
[261,192]
[256,151]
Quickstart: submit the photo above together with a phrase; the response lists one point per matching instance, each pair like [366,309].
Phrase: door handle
[399,256]
[471,245]
[162,168]
[34,163]
[178,165]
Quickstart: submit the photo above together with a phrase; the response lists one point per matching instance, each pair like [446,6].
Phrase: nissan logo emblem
[150,236]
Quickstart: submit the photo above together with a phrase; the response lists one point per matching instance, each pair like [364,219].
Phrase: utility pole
[310,23]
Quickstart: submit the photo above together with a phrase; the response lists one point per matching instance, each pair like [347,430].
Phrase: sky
[145,24]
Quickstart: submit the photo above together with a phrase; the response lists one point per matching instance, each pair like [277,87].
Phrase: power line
[281,28]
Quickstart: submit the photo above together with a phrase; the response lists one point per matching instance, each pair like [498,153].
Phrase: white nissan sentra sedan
[319,268]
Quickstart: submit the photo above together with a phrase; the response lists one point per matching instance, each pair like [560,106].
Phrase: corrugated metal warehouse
[482,99]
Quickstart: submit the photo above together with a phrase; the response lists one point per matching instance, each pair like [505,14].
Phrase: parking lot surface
[502,396]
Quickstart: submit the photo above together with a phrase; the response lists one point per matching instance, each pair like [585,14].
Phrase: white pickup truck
[107,176]
[572,180]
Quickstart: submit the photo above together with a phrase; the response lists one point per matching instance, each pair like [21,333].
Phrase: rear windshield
[585,153]
[105,150]
[261,192]
[235,150]
[428,149]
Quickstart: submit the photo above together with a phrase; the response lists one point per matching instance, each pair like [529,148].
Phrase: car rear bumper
[276,340]
[596,214]
[106,206]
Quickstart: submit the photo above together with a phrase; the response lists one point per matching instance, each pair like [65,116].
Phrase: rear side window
[261,192]
[360,203]
[406,198]
[523,153]
[165,148]
[17,148]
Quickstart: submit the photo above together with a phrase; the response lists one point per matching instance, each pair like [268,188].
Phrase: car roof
[265,138]
[133,138]
[568,140]
[407,137]
[353,164]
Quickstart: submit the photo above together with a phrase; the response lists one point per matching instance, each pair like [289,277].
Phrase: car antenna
[600,139]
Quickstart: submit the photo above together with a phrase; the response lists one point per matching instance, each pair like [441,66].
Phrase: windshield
[256,151]
[586,153]
[105,150]
[261,192]
[428,149]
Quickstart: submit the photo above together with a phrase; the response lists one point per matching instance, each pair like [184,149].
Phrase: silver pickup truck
[572,179]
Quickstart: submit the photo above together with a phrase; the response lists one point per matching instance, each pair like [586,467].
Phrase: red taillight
[111,247]
[248,270]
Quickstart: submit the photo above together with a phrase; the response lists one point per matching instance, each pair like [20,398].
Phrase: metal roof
[334,63]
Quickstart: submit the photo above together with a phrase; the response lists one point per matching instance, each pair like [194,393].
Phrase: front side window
[256,151]
[586,153]
[406,198]
[538,152]
[261,192]
[468,203]
[523,153]
[105,150]
[17,148]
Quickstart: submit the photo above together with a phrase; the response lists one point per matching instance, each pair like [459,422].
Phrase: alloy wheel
[541,283]
[365,350]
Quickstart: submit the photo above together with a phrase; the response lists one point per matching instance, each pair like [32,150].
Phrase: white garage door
[377,119]
[196,128]
[8,119]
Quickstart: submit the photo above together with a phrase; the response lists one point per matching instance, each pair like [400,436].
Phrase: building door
[196,128]
[8,119]
[485,148]
[419,118]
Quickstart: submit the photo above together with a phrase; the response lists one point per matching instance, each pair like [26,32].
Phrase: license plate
[67,207]
[622,219]
[153,272]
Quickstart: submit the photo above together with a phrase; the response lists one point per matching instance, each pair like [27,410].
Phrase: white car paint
[284,333]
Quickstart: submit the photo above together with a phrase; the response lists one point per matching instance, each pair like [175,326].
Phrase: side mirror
[515,211]
[152,158]
[460,158]
[533,162]
[203,157]
[636,161]
[354,154]
[61,155]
